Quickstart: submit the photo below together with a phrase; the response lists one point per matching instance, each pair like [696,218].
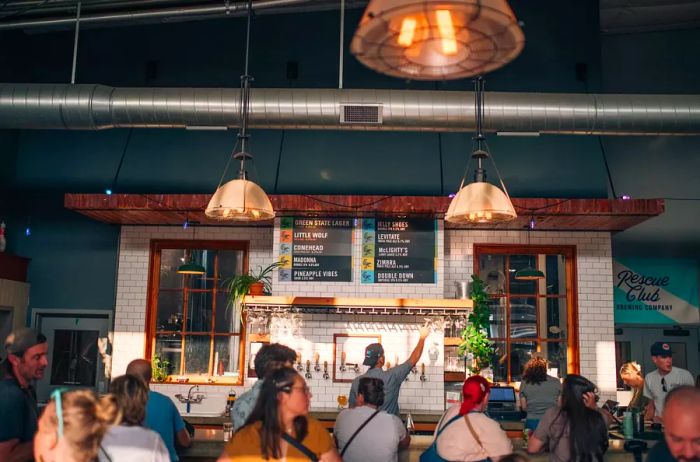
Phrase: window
[189,320]
[530,316]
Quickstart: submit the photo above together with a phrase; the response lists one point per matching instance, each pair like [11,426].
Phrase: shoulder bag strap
[306,451]
[471,430]
[358,431]
[453,419]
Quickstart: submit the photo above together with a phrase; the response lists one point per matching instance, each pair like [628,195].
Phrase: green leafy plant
[161,368]
[475,336]
[238,286]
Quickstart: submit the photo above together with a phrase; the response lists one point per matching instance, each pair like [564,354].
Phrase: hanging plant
[475,338]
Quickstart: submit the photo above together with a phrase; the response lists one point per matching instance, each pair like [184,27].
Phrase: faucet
[422,377]
[342,361]
[410,425]
[308,369]
[190,399]
[299,366]
[317,366]
[325,370]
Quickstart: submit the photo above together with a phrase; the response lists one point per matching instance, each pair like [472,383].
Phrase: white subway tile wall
[455,263]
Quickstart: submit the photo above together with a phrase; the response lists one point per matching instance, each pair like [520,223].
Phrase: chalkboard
[316,249]
[399,251]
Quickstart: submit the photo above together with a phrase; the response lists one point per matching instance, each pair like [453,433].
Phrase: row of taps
[346,366]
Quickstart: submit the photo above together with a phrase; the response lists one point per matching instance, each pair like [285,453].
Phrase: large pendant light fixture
[241,199]
[529,273]
[434,40]
[479,201]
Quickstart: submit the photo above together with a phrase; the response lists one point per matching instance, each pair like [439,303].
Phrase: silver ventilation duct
[96,107]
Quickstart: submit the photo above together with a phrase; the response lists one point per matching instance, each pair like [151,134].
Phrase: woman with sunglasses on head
[130,441]
[279,427]
[72,426]
[576,430]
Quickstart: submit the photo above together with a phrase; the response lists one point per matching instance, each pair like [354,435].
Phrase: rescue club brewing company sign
[316,249]
[655,291]
[399,250]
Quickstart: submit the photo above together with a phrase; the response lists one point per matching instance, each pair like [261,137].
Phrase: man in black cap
[392,378]
[665,378]
[25,363]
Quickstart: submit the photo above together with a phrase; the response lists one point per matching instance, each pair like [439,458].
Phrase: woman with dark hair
[575,430]
[279,427]
[538,391]
[465,433]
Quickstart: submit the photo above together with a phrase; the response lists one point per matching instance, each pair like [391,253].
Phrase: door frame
[39,314]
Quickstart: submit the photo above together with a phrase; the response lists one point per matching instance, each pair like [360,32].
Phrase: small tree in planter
[475,338]
[253,283]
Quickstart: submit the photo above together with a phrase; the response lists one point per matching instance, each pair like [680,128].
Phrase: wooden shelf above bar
[358,305]
[551,213]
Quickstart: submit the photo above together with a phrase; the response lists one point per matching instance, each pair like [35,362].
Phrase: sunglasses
[663,384]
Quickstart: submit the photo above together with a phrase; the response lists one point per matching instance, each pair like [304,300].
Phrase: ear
[14,360]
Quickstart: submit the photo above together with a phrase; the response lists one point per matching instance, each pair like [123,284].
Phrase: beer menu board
[316,249]
[399,250]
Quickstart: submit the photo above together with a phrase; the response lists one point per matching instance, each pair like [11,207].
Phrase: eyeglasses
[304,388]
[663,384]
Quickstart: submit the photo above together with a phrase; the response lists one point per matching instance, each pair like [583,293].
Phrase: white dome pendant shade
[480,202]
[437,40]
[240,200]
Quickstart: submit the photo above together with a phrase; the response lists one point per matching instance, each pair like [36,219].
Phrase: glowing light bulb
[488,215]
[255,213]
[447,32]
[408,30]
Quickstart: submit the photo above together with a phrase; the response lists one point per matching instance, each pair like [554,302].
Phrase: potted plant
[160,367]
[252,283]
[475,338]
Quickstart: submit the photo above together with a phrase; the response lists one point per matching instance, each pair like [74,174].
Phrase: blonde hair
[131,394]
[631,368]
[86,418]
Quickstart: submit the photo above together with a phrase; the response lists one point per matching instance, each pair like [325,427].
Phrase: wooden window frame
[569,252]
[157,245]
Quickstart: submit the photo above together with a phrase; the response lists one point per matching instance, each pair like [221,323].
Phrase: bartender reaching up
[392,378]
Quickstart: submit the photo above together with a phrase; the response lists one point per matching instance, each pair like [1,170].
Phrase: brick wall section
[455,263]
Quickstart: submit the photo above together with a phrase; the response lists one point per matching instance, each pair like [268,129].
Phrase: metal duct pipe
[165,14]
[95,107]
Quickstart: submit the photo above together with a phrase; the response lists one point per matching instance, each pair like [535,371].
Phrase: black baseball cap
[662,349]
[372,354]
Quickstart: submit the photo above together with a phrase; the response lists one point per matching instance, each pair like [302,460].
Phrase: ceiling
[630,46]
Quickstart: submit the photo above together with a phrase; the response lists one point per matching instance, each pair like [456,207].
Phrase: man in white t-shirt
[665,378]
[383,435]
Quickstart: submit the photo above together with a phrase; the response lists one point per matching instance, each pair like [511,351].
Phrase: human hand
[424,332]
[589,400]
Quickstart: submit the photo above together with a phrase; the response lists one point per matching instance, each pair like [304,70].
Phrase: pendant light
[241,199]
[479,201]
[437,40]
[529,273]
[191,267]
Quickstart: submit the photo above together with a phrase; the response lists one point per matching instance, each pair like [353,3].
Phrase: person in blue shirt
[161,414]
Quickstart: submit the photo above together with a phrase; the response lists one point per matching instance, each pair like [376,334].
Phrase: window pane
[500,362]
[518,262]
[492,272]
[555,353]
[197,354]
[170,261]
[228,354]
[555,274]
[497,318]
[168,347]
[199,312]
[554,319]
[523,320]
[230,263]
[520,353]
[169,311]
[206,259]
[227,319]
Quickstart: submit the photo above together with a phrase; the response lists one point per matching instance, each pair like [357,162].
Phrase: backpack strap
[358,431]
